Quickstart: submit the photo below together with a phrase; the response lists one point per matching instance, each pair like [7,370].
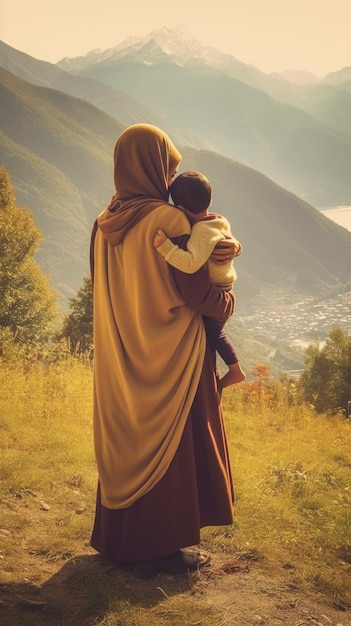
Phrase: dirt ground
[81,590]
[239,591]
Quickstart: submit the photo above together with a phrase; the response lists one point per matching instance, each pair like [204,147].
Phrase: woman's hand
[226,250]
[159,238]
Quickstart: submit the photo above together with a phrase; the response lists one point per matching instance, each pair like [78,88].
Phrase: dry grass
[46,425]
[292,472]
[47,460]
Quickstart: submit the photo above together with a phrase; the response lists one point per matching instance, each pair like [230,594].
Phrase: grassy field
[292,472]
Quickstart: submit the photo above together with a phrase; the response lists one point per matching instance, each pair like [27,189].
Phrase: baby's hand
[159,238]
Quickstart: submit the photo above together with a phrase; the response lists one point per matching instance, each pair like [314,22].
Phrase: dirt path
[237,593]
[86,590]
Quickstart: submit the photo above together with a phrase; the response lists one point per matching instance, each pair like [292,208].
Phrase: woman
[158,427]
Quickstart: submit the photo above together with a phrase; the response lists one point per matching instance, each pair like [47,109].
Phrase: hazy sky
[272,34]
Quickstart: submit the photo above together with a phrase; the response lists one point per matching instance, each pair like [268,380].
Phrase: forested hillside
[59,152]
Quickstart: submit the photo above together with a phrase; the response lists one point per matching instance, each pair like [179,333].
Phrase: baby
[191,192]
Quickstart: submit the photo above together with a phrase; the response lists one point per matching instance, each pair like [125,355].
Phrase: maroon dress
[197,489]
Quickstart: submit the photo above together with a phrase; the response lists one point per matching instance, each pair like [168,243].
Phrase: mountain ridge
[59,151]
[111,101]
[181,47]
[131,107]
[178,45]
[241,122]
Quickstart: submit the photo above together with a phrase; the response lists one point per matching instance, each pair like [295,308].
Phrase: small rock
[44,506]
[32,605]
[80,510]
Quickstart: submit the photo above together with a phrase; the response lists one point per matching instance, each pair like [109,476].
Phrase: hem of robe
[196,491]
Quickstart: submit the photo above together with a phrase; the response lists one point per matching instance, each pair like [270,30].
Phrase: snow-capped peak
[177,43]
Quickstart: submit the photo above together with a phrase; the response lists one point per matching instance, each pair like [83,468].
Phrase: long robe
[197,489]
[159,433]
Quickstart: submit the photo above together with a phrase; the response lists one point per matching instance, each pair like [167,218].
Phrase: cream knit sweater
[205,234]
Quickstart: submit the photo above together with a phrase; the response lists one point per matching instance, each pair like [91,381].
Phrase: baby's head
[191,190]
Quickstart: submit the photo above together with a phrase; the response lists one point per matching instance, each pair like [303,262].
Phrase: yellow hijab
[144,157]
[148,345]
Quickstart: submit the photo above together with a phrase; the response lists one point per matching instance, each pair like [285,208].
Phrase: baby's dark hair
[192,190]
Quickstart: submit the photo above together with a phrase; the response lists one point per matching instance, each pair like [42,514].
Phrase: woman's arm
[226,249]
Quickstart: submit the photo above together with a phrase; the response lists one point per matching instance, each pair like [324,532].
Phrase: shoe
[179,562]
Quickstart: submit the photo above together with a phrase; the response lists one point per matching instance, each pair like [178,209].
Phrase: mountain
[59,151]
[207,99]
[175,43]
[341,77]
[296,77]
[286,143]
[335,111]
[231,105]
[268,220]
[178,45]
[112,101]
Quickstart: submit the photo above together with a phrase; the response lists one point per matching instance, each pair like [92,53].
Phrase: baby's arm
[189,261]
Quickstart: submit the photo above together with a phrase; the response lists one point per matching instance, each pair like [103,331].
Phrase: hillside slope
[207,99]
[284,142]
[112,101]
[59,151]
[285,239]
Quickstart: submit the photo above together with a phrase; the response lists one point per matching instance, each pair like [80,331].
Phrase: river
[339,214]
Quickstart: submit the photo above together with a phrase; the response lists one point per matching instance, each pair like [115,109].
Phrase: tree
[326,380]
[78,325]
[27,301]
[259,391]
